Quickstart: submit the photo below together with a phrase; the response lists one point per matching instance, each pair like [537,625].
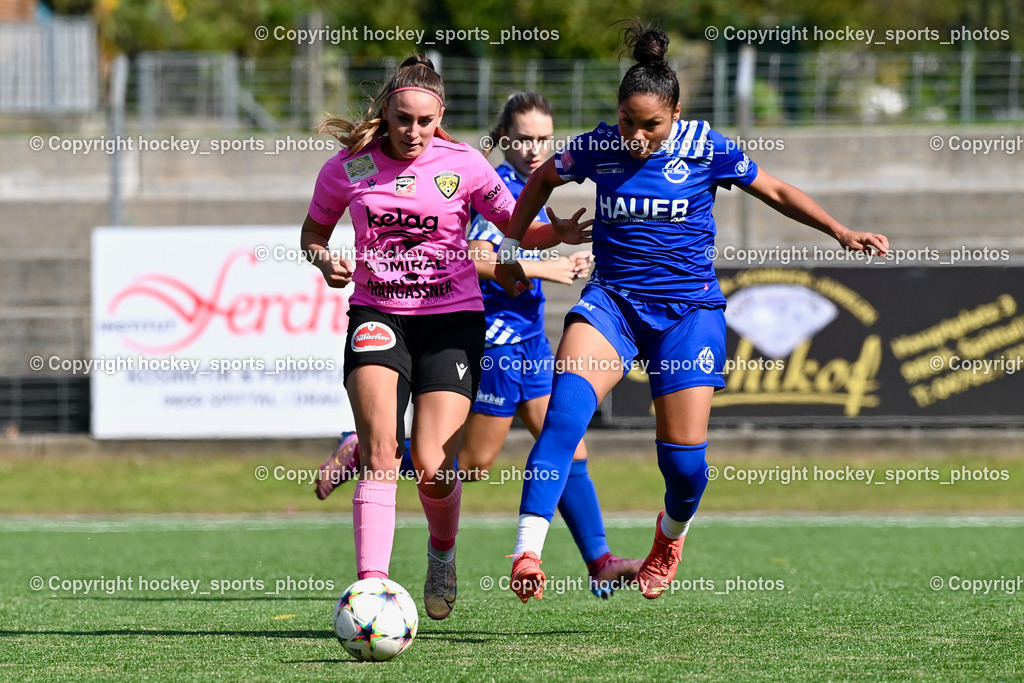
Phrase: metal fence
[49,68]
[819,89]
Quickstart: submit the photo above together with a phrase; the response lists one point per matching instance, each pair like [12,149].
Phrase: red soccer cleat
[610,572]
[527,578]
[658,570]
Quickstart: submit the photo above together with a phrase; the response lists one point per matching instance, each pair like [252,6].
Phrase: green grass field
[808,580]
[825,599]
[188,482]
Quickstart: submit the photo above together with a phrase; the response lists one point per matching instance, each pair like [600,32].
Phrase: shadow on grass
[460,637]
[171,632]
[195,598]
[477,637]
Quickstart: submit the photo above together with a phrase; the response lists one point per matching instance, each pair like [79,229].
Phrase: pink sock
[373,517]
[443,517]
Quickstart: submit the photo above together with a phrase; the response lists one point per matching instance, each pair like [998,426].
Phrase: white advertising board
[215,332]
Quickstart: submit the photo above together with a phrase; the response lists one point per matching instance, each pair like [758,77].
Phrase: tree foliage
[584,27]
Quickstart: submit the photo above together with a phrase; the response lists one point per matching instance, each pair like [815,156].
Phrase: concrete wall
[889,181]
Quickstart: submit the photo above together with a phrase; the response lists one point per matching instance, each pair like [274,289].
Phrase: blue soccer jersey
[510,320]
[653,230]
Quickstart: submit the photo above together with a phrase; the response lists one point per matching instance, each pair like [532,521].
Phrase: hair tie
[417,89]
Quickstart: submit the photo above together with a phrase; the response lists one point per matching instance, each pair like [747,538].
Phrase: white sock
[443,555]
[673,529]
[531,534]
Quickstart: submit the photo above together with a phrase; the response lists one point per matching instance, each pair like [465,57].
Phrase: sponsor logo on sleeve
[326,210]
[743,165]
[492,193]
[372,336]
[360,168]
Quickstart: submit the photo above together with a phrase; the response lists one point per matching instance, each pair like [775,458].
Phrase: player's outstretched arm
[562,270]
[510,275]
[794,203]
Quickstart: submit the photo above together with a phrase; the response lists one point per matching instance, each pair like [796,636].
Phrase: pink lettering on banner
[246,313]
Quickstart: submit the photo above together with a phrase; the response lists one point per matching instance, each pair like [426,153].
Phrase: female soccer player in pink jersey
[416,312]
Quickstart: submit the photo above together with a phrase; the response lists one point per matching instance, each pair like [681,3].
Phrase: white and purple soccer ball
[375,619]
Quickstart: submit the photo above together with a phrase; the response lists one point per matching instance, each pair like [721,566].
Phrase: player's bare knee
[474,464]
[379,454]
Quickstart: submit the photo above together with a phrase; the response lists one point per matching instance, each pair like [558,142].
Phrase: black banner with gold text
[848,346]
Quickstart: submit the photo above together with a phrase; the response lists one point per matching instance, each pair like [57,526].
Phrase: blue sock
[572,404]
[582,513]
[686,476]
[407,469]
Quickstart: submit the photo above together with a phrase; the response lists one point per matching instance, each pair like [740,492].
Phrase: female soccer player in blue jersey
[653,294]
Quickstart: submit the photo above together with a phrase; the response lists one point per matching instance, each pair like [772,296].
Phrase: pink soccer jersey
[410,222]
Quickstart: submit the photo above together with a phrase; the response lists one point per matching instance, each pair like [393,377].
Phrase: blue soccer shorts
[513,374]
[679,345]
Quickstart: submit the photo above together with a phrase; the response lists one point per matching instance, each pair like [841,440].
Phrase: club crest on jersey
[405,186]
[447,183]
[676,171]
[706,360]
[372,337]
[360,168]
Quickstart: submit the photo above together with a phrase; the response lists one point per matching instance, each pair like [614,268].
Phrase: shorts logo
[490,399]
[372,337]
[405,186]
[585,304]
[360,168]
[461,368]
[447,183]
[706,360]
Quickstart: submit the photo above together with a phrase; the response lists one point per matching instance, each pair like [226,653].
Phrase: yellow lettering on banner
[939,373]
[805,381]
[862,375]
[990,340]
[924,367]
[957,327]
[797,370]
[848,299]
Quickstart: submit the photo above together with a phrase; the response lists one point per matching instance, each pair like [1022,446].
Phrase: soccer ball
[375,619]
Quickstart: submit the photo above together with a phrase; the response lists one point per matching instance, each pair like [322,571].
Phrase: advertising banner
[214,332]
[885,345]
